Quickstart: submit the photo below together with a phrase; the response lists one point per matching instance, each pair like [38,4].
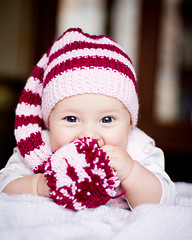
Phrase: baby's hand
[121,161]
[42,188]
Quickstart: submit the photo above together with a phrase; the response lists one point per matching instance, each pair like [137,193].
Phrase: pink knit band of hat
[79,63]
[76,63]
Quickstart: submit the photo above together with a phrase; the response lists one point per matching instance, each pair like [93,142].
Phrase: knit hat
[76,63]
[79,63]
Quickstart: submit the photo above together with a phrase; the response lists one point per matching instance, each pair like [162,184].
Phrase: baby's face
[89,115]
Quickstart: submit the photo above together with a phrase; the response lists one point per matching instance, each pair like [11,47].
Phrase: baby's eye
[107,120]
[71,119]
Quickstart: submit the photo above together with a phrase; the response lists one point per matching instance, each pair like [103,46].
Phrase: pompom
[79,175]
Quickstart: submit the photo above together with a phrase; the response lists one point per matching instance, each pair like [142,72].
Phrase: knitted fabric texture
[76,63]
[79,175]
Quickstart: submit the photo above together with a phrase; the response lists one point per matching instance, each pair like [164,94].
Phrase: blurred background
[157,35]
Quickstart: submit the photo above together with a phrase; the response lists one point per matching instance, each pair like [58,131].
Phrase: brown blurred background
[157,35]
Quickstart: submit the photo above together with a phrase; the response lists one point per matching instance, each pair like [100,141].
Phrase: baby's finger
[101,142]
[108,149]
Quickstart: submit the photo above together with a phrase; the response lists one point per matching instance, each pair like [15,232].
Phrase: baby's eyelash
[107,119]
[71,119]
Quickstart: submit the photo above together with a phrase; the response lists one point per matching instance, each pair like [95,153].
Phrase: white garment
[140,147]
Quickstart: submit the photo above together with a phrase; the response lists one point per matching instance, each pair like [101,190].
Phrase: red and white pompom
[79,175]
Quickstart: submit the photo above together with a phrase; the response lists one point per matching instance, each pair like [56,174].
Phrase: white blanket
[30,217]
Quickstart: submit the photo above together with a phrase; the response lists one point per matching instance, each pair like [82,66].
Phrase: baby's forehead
[83,101]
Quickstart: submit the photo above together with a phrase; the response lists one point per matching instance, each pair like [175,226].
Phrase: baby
[85,86]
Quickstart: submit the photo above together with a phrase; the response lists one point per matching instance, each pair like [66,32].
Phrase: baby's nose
[92,133]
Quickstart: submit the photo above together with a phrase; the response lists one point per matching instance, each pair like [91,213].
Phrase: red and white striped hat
[76,63]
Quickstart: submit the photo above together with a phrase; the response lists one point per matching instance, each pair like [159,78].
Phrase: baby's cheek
[59,138]
[118,142]
[56,142]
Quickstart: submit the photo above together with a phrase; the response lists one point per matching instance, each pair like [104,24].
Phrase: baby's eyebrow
[70,110]
[111,111]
